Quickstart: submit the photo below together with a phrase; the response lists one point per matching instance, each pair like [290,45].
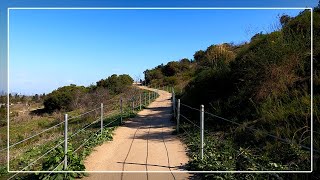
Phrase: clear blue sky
[53,48]
[4,4]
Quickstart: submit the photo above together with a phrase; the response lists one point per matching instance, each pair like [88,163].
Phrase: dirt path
[144,143]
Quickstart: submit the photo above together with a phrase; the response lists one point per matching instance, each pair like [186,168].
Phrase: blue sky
[125,3]
[53,48]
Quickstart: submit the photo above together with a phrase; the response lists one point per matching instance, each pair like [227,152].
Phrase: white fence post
[140,101]
[202,127]
[65,142]
[178,116]
[145,98]
[101,117]
[132,104]
[174,104]
[121,110]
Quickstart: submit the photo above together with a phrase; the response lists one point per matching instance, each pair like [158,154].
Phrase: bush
[3,113]
[116,84]
[61,99]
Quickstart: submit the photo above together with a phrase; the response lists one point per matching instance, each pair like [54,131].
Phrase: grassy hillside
[264,85]
[78,102]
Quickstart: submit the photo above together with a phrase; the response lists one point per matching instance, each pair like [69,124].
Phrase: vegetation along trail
[144,143]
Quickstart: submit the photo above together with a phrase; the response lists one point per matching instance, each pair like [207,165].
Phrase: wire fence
[187,123]
[131,104]
[43,155]
[128,105]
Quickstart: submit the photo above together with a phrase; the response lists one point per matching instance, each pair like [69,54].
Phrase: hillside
[264,85]
[36,124]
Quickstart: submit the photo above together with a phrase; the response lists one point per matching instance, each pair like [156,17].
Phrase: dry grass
[24,125]
[279,78]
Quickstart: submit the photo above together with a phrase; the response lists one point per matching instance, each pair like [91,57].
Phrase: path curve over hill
[144,143]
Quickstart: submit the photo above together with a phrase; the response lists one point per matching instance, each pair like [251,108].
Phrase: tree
[62,98]
[101,83]
[35,97]
[284,19]
[171,69]
[199,56]
[116,84]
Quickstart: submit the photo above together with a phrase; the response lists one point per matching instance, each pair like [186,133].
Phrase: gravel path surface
[144,143]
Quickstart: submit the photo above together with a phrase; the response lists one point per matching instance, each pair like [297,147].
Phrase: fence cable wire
[206,131]
[3,149]
[38,159]
[60,142]
[190,121]
[231,122]
[46,130]
[55,168]
[186,132]
[85,127]
[84,113]
[86,141]
[271,135]
[92,136]
[110,122]
[189,107]
[36,134]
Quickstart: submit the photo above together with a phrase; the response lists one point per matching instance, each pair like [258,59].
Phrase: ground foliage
[262,84]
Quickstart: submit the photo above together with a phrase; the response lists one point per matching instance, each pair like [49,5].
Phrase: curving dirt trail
[144,143]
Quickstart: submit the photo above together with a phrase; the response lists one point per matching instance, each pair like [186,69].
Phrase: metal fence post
[65,142]
[149,97]
[121,110]
[202,127]
[140,101]
[101,116]
[178,116]
[174,105]
[145,98]
[132,104]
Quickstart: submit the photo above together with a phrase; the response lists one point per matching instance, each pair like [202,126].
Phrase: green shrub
[61,98]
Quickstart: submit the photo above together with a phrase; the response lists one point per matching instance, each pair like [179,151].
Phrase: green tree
[171,69]
[116,84]
[62,98]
